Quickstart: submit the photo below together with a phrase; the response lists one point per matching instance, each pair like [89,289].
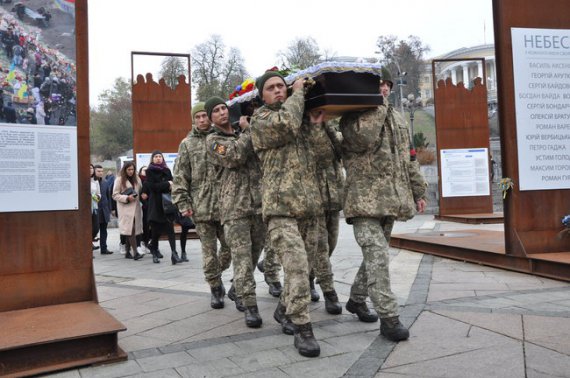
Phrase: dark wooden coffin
[340,92]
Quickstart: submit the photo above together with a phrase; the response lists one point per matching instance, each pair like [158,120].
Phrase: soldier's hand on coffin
[187,213]
[317,116]
[298,84]
[144,196]
[243,122]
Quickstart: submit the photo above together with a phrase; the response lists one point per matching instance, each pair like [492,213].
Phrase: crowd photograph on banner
[37,62]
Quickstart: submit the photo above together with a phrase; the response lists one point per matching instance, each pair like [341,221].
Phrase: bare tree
[403,56]
[172,67]
[214,72]
[300,53]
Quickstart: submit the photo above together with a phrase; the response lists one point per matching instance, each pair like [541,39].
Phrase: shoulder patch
[218,148]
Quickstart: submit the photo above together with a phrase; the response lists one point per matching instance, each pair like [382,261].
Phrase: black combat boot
[252,317]
[331,303]
[260,266]
[314,294]
[287,327]
[275,288]
[175,258]
[233,296]
[393,329]
[362,311]
[305,341]
[184,257]
[217,300]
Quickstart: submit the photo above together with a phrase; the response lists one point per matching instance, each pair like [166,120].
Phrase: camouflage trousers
[332,219]
[214,262]
[271,264]
[373,277]
[294,240]
[245,237]
[320,262]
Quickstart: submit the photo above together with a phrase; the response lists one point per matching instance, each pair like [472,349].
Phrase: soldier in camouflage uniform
[195,192]
[382,185]
[290,198]
[270,267]
[240,202]
[330,181]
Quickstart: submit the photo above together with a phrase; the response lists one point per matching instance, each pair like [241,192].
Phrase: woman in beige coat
[126,192]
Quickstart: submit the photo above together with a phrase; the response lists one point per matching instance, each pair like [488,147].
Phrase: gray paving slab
[504,324]
[503,360]
[549,332]
[466,321]
[219,368]
[120,369]
[543,362]
[166,361]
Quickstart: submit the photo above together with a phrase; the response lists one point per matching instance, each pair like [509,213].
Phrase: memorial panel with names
[541,67]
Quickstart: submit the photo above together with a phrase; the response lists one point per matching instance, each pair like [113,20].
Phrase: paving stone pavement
[465,320]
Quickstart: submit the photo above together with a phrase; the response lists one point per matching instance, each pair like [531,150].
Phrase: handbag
[167,205]
[128,192]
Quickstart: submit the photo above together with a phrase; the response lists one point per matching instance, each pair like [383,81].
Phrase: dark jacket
[106,199]
[155,185]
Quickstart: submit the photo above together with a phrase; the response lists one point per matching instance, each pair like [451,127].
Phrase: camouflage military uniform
[271,265]
[290,196]
[379,189]
[196,188]
[240,205]
[330,181]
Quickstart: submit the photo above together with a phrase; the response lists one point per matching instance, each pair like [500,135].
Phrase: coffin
[340,92]
[339,87]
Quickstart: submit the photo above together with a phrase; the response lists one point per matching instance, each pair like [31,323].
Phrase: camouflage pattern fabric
[213,262]
[417,181]
[332,219]
[319,260]
[330,176]
[240,191]
[271,265]
[245,237]
[280,139]
[373,277]
[376,156]
[196,180]
[289,236]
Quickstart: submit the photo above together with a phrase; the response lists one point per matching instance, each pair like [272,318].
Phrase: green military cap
[386,77]
[198,107]
[260,82]
[211,103]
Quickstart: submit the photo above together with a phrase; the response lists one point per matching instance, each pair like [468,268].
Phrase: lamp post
[412,104]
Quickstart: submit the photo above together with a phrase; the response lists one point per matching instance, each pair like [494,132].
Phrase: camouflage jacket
[280,139]
[196,180]
[330,176]
[240,191]
[381,180]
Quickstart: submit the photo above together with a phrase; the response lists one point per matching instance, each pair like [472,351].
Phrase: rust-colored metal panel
[46,274]
[461,120]
[484,247]
[40,250]
[161,115]
[530,216]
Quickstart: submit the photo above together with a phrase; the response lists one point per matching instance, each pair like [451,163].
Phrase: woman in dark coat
[158,182]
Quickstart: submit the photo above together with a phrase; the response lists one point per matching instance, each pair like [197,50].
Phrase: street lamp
[412,104]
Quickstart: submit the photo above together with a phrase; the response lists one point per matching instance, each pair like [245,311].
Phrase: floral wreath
[247,86]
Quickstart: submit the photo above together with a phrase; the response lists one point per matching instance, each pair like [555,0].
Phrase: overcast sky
[261,28]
